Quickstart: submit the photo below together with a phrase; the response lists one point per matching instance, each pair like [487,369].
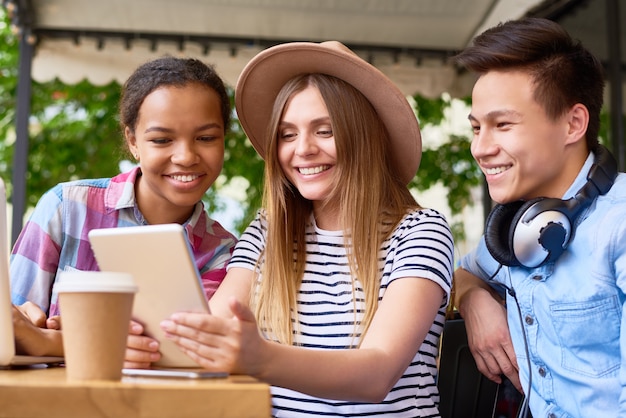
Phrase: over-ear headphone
[534,232]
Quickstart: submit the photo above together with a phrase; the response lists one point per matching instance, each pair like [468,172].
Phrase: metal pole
[20,156]
[615,81]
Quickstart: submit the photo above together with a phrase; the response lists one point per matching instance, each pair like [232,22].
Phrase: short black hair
[564,72]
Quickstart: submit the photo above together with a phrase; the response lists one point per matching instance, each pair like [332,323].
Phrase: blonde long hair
[372,200]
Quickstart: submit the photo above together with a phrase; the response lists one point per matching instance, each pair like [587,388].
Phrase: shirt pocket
[588,333]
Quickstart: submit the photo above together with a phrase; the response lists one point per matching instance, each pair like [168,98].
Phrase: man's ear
[578,120]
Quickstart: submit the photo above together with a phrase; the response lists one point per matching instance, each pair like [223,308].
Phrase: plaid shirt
[55,237]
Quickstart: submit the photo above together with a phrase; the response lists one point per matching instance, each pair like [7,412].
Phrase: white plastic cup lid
[95,281]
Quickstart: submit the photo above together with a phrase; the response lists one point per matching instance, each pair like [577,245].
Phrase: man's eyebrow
[496,113]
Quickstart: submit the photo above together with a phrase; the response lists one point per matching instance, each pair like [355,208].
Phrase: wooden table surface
[44,392]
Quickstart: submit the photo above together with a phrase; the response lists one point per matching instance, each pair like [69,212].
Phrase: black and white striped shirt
[420,246]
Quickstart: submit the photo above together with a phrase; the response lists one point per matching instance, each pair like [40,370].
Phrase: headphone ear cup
[532,233]
[498,232]
[540,231]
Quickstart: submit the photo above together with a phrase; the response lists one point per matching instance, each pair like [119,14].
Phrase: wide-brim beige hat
[264,76]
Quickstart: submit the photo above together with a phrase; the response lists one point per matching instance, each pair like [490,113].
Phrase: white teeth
[495,170]
[313,170]
[185,178]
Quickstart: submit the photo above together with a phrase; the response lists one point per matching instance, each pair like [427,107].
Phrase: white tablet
[161,261]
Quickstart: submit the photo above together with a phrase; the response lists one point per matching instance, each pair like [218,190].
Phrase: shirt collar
[581,178]
[120,194]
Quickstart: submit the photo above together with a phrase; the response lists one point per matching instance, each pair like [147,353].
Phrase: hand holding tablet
[160,259]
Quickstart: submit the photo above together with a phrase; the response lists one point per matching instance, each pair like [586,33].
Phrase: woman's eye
[160,141]
[287,136]
[207,138]
[325,132]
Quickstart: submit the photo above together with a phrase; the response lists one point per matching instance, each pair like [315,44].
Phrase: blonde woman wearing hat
[336,293]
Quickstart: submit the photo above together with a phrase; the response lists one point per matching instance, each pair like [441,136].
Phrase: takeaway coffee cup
[95,308]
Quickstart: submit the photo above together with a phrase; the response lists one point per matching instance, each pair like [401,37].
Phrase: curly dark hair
[168,71]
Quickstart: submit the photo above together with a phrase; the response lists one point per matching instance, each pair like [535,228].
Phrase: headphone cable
[524,410]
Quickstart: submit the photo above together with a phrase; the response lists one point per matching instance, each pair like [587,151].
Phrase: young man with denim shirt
[542,295]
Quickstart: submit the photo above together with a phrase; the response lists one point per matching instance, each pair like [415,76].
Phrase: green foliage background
[74,133]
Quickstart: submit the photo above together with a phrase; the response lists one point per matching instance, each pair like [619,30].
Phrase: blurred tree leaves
[8,92]
[73,129]
[451,163]
[74,134]
[241,160]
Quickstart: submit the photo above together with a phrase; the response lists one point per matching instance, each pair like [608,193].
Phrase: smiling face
[179,142]
[522,152]
[306,146]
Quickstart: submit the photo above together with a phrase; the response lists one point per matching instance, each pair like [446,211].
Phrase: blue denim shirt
[572,313]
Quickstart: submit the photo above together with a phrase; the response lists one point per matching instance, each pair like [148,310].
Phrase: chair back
[464,391]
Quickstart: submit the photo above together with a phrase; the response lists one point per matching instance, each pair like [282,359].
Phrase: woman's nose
[185,154]
[305,144]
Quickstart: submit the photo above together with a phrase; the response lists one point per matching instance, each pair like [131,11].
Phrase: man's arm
[487,329]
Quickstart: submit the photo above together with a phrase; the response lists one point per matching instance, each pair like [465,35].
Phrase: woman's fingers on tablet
[142,343]
[212,342]
[141,351]
[192,331]
[140,359]
[135,328]
[194,324]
